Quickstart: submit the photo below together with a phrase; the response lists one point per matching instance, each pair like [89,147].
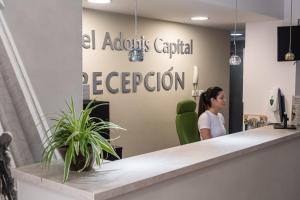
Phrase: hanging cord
[235,21]
[135,20]
[291,20]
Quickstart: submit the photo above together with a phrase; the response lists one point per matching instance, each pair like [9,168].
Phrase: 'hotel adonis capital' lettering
[131,82]
[120,43]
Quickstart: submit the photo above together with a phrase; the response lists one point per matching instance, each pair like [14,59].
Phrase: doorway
[236,89]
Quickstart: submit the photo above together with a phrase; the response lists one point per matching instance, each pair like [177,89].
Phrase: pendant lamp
[136,54]
[235,59]
[290,56]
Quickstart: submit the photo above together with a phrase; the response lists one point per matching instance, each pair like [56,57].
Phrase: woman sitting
[211,122]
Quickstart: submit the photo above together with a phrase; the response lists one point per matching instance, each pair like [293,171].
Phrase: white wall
[47,35]
[262,72]
[149,117]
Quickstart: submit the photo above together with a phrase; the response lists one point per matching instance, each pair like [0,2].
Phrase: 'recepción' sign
[120,43]
[129,82]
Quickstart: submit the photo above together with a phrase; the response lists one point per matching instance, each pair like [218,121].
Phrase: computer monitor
[281,105]
[282,113]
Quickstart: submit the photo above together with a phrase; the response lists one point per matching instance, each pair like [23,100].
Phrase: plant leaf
[68,160]
[76,146]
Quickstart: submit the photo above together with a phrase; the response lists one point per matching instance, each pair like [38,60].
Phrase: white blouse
[213,122]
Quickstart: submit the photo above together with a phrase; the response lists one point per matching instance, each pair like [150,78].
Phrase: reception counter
[262,163]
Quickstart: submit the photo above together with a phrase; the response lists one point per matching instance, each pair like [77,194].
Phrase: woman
[211,122]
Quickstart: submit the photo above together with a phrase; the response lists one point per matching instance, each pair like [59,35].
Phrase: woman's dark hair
[205,97]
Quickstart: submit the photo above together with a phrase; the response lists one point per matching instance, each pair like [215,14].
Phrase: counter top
[122,176]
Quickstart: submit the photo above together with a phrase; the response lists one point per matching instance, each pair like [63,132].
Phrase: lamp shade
[289,56]
[235,60]
[136,55]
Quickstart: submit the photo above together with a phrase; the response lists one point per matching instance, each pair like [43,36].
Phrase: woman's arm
[205,133]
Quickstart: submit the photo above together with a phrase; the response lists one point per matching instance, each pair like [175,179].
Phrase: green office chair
[186,122]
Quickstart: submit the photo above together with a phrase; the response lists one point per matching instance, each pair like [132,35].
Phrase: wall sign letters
[130,82]
[120,43]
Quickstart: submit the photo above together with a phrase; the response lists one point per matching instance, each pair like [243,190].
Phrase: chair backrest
[186,122]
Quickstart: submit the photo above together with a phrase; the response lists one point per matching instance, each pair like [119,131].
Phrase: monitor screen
[281,105]
[283,38]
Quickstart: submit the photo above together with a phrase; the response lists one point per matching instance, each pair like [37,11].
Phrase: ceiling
[181,11]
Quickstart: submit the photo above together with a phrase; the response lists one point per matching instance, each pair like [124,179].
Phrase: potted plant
[78,140]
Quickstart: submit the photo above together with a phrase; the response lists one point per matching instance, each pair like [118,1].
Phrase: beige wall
[149,117]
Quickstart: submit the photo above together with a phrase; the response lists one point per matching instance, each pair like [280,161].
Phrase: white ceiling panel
[220,15]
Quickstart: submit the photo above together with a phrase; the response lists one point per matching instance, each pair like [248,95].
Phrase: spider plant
[80,136]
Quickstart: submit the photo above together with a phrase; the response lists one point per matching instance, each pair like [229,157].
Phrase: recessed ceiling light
[236,34]
[202,18]
[99,1]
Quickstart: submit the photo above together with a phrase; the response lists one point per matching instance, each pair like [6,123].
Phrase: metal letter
[93,40]
[179,81]
[155,47]
[146,83]
[107,82]
[158,81]
[85,43]
[107,41]
[137,78]
[169,74]
[97,82]
[118,43]
[125,82]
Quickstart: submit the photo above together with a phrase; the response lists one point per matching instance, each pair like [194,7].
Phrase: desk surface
[122,176]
